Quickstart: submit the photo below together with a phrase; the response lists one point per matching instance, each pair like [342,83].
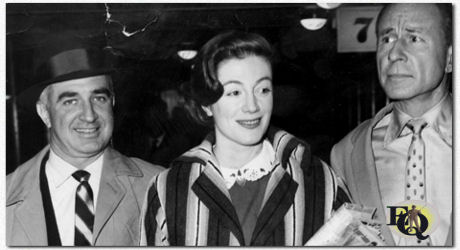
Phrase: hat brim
[29,97]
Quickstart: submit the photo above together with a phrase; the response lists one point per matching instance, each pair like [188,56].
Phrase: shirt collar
[438,117]
[256,168]
[61,171]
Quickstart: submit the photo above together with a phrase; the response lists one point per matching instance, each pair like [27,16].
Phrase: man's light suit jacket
[122,188]
[353,159]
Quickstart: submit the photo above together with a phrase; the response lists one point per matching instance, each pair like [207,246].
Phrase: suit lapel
[111,192]
[210,189]
[366,179]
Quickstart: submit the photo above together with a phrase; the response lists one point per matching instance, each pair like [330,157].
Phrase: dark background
[320,94]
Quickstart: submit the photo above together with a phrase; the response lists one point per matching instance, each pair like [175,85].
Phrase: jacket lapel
[111,190]
[211,190]
[280,191]
[279,197]
[365,175]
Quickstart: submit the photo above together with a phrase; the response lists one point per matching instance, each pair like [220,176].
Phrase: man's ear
[43,113]
[449,60]
[207,110]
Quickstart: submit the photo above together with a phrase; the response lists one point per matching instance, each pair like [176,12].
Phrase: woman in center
[247,183]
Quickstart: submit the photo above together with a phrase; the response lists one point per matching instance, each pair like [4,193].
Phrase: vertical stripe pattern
[293,226]
[196,213]
[176,200]
[84,210]
[195,207]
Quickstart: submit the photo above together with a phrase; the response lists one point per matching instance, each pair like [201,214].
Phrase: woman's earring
[207,110]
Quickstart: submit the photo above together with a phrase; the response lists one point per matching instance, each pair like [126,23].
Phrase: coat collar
[25,190]
[210,188]
[113,187]
[25,180]
[278,139]
[20,189]
[368,186]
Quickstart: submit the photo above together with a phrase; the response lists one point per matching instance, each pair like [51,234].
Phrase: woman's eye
[233,93]
[266,90]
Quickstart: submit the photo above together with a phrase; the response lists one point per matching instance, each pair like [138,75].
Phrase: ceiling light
[313,23]
[187,54]
[328,5]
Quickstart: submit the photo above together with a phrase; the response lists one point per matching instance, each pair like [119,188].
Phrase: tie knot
[81,175]
[416,125]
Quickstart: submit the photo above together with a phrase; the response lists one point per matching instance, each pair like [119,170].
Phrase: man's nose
[398,51]
[88,114]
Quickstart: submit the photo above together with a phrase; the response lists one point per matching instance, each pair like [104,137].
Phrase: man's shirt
[63,189]
[391,139]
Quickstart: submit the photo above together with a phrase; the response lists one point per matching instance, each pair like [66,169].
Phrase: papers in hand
[350,225]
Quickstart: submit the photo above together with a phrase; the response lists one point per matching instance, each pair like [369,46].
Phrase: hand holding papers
[351,225]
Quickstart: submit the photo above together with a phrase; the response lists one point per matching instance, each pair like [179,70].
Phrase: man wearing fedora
[78,190]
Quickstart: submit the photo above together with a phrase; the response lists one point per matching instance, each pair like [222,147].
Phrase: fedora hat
[61,58]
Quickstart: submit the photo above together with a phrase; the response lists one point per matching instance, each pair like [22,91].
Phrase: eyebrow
[415,29]
[385,31]
[258,81]
[68,94]
[104,90]
[407,29]
[264,78]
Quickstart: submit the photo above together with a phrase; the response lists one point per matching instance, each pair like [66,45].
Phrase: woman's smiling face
[242,114]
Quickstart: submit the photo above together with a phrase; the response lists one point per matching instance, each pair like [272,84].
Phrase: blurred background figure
[155,126]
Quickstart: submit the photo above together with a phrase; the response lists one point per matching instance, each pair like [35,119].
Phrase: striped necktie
[84,210]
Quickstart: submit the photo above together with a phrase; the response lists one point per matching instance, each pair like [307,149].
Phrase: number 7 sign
[356,28]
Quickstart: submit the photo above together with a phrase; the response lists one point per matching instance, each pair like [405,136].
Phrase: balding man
[404,153]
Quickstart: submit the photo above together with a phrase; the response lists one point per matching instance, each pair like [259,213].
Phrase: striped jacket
[189,204]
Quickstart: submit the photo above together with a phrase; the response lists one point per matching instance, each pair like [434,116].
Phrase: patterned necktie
[415,168]
[415,172]
[84,210]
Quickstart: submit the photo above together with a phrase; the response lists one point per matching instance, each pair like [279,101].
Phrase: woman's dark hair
[204,88]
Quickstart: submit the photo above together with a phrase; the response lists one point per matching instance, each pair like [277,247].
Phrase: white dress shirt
[63,188]
[390,142]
